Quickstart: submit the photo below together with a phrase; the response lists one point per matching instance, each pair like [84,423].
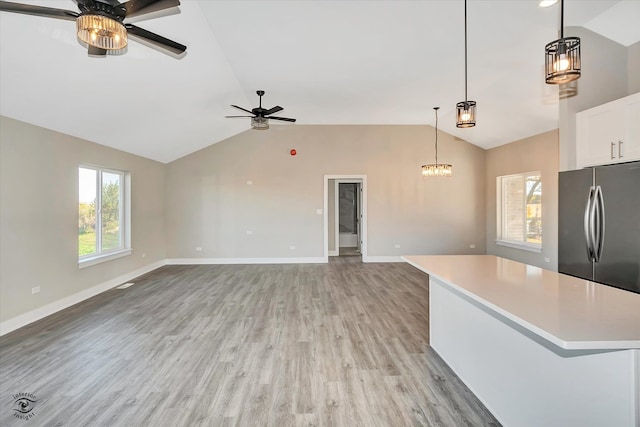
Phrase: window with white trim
[519,211]
[103,214]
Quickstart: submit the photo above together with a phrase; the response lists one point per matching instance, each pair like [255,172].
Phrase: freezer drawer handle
[588,235]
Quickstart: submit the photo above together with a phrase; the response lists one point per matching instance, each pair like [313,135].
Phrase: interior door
[574,195]
[619,264]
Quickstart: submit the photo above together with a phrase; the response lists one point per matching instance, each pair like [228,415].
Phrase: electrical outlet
[249,232]
[292,247]
[249,182]
[35,290]
[198,249]
[144,254]
[319,211]
[472,246]
[396,246]
[547,260]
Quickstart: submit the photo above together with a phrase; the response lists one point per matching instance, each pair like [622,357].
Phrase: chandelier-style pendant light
[466,110]
[562,57]
[436,169]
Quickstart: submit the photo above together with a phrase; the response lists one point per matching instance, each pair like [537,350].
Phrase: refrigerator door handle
[599,237]
[594,224]
[588,224]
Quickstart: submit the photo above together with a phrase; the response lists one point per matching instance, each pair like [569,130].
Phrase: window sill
[88,262]
[522,246]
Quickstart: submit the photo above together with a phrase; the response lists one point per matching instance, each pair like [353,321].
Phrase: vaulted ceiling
[325,62]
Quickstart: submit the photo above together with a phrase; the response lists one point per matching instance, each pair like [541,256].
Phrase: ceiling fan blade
[243,109]
[155,39]
[96,51]
[231,117]
[111,2]
[273,110]
[284,119]
[48,12]
[141,7]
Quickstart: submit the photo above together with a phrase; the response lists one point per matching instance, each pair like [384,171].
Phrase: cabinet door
[597,134]
[630,147]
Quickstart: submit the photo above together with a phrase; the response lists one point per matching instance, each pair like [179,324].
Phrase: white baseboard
[334,253]
[51,308]
[382,259]
[196,261]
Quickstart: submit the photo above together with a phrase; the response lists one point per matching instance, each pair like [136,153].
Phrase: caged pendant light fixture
[436,169]
[562,57]
[466,110]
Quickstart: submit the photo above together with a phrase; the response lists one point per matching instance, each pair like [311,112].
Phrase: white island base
[523,365]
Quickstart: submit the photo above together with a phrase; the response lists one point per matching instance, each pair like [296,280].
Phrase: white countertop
[571,313]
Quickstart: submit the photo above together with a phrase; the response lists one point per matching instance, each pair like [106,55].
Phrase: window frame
[124,249]
[500,214]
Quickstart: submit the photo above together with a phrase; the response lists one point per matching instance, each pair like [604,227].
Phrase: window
[519,213]
[103,212]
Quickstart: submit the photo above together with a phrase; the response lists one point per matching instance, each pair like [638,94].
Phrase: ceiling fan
[100,22]
[260,116]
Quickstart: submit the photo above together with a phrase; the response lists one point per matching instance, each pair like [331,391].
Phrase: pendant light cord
[465,55]
[436,108]
[561,19]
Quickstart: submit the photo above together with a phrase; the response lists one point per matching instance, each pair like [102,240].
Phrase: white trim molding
[520,245]
[87,262]
[204,261]
[25,319]
[392,258]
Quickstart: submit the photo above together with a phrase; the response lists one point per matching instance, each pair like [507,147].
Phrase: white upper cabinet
[609,133]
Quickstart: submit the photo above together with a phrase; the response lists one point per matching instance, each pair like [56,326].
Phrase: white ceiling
[325,62]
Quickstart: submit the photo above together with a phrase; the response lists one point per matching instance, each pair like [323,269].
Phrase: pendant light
[562,56]
[436,169]
[466,110]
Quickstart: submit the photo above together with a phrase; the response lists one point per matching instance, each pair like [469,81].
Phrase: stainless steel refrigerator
[599,225]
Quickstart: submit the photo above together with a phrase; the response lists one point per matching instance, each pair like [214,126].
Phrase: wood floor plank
[338,344]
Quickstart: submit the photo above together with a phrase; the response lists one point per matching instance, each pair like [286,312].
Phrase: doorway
[348,209]
[345,216]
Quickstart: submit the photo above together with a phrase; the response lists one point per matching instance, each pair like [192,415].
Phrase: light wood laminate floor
[338,344]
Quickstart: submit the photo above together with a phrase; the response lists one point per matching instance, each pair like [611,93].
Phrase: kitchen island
[538,348]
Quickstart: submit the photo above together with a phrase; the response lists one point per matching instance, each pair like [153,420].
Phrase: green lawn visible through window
[87,242]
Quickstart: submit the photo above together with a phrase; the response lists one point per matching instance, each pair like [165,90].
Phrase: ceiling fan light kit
[101,32]
[562,57]
[259,123]
[436,169]
[465,110]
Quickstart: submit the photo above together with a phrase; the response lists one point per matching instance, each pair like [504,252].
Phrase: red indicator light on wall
[293,152]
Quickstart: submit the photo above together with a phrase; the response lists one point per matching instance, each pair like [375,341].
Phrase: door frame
[359,179]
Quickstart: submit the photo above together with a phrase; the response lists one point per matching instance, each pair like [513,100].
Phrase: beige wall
[537,153]
[633,67]
[39,215]
[210,205]
[604,78]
